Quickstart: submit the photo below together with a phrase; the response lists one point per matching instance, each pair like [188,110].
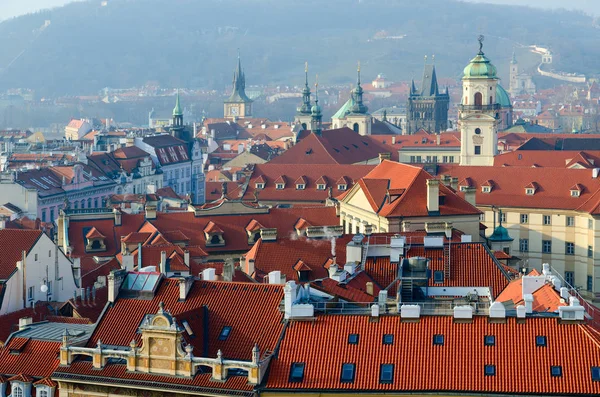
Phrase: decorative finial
[305,67]
[480,39]
[433,58]
[358,71]
[425,58]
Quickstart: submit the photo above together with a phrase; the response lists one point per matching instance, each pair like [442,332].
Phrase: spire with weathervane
[357,94]
[238,104]
[316,123]
[304,109]
[177,113]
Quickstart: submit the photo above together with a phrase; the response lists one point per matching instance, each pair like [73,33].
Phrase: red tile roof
[94,233]
[46,382]
[455,367]
[9,323]
[260,322]
[549,158]
[37,358]
[309,175]
[413,200]
[545,298]
[553,186]
[339,146]
[12,244]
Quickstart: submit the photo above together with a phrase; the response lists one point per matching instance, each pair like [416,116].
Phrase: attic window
[388,339]
[386,373]
[297,372]
[279,186]
[321,186]
[529,191]
[490,370]
[438,340]
[348,371]
[353,339]
[540,340]
[225,333]
[489,340]
[342,187]
[596,374]
[463,188]
[556,370]
[438,276]
[300,186]
[575,193]
[260,185]
[486,189]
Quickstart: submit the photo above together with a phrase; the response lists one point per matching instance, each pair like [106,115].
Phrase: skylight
[490,340]
[386,373]
[596,374]
[490,370]
[224,333]
[140,281]
[540,340]
[348,373]
[388,339]
[556,370]
[438,340]
[353,339]
[297,372]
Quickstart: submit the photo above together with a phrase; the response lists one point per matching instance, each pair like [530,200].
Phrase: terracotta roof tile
[38,358]
[12,243]
[94,233]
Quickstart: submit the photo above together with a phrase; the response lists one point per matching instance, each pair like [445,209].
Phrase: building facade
[428,108]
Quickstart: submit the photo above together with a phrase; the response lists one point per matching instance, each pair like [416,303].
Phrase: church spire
[513,61]
[305,107]
[239,84]
[357,95]
[177,113]
[316,115]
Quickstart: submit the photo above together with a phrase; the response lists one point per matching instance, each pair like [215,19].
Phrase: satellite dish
[44,288]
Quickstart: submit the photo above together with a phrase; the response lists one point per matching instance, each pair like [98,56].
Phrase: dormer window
[574,193]
[529,191]
[300,186]
[342,187]
[260,185]
[321,186]
[486,189]
[279,186]
[94,241]
[213,235]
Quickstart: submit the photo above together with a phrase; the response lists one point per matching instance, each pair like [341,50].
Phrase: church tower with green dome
[479,111]
[354,114]
[303,112]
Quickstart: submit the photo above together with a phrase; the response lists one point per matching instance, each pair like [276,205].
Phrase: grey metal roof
[51,331]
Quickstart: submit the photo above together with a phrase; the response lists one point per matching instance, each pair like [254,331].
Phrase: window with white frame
[42,391]
[279,186]
[574,193]
[570,221]
[17,390]
[524,218]
[260,185]
[320,186]
[529,191]
[486,189]
[503,217]
[569,248]
[342,187]
[547,220]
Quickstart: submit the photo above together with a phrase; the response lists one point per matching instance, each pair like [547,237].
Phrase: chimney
[521,311]
[393,139]
[384,156]
[127,261]
[369,288]
[150,211]
[186,258]
[470,195]
[24,322]
[228,269]
[208,274]
[463,313]
[117,214]
[438,139]
[497,311]
[3,222]
[115,279]
[163,262]
[275,277]
[185,284]
[433,195]
[528,298]
[454,183]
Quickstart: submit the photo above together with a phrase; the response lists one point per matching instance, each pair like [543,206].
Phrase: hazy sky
[11,8]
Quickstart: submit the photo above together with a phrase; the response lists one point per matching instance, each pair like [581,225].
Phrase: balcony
[482,108]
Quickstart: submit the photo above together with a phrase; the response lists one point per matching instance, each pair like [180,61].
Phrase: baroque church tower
[304,111]
[479,112]
[354,114]
[238,105]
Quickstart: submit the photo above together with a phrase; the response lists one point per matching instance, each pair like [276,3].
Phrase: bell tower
[479,112]
[513,87]
[238,105]
[303,112]
[359,118]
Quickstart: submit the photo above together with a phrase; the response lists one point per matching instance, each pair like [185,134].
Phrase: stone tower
[513,87]
[479,112]
[427,108]
[238,105]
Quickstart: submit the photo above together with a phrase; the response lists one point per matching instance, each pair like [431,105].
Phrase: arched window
[42,393]
[304,126]
[478,99]
[491,100]
[355,127]
[215,239]
[82,204]
[17,391]
[478,131]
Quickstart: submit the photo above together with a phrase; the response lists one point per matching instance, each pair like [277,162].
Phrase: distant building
[354,114]
[76,129]
[238,105]
[520,83]
[428,108]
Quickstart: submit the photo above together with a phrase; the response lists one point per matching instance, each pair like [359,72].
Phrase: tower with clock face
[238,105]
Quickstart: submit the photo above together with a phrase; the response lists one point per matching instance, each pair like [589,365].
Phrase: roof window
[297,372]
[596,374]
[438,340]
[353,339]
[540,340]
[225,333]
[386,373]
[348,371]
[489,340]
[490,370]
[556,370]
[438,276]
[388,339]
[529,191]
[279,186]
[300,186]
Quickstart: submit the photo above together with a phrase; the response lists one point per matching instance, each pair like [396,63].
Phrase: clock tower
[238,105]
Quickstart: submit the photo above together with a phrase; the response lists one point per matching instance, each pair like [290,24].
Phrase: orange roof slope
[12,244]
[256,318]
[420,366]
[36,358]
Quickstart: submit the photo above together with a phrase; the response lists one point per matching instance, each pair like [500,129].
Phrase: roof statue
[480,67]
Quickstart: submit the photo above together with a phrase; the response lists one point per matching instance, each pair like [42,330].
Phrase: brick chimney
[433,195]
[470,195]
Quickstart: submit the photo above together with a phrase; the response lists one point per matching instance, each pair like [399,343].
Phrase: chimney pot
[433,195]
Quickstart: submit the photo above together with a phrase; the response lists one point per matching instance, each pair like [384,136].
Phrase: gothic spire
[357,95]
[316,115]
[239,84]
[177,109]
[304,108]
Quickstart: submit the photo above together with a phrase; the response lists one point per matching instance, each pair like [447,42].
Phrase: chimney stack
[433,195]
[24,322]
[470,195]
[186,258]
[369,288]
[228,269]
[185,284]
[208,274]
[163,262]
[454,183]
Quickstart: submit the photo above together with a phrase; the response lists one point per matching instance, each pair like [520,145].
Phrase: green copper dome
[500,234]
[502,97]
[480,68]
